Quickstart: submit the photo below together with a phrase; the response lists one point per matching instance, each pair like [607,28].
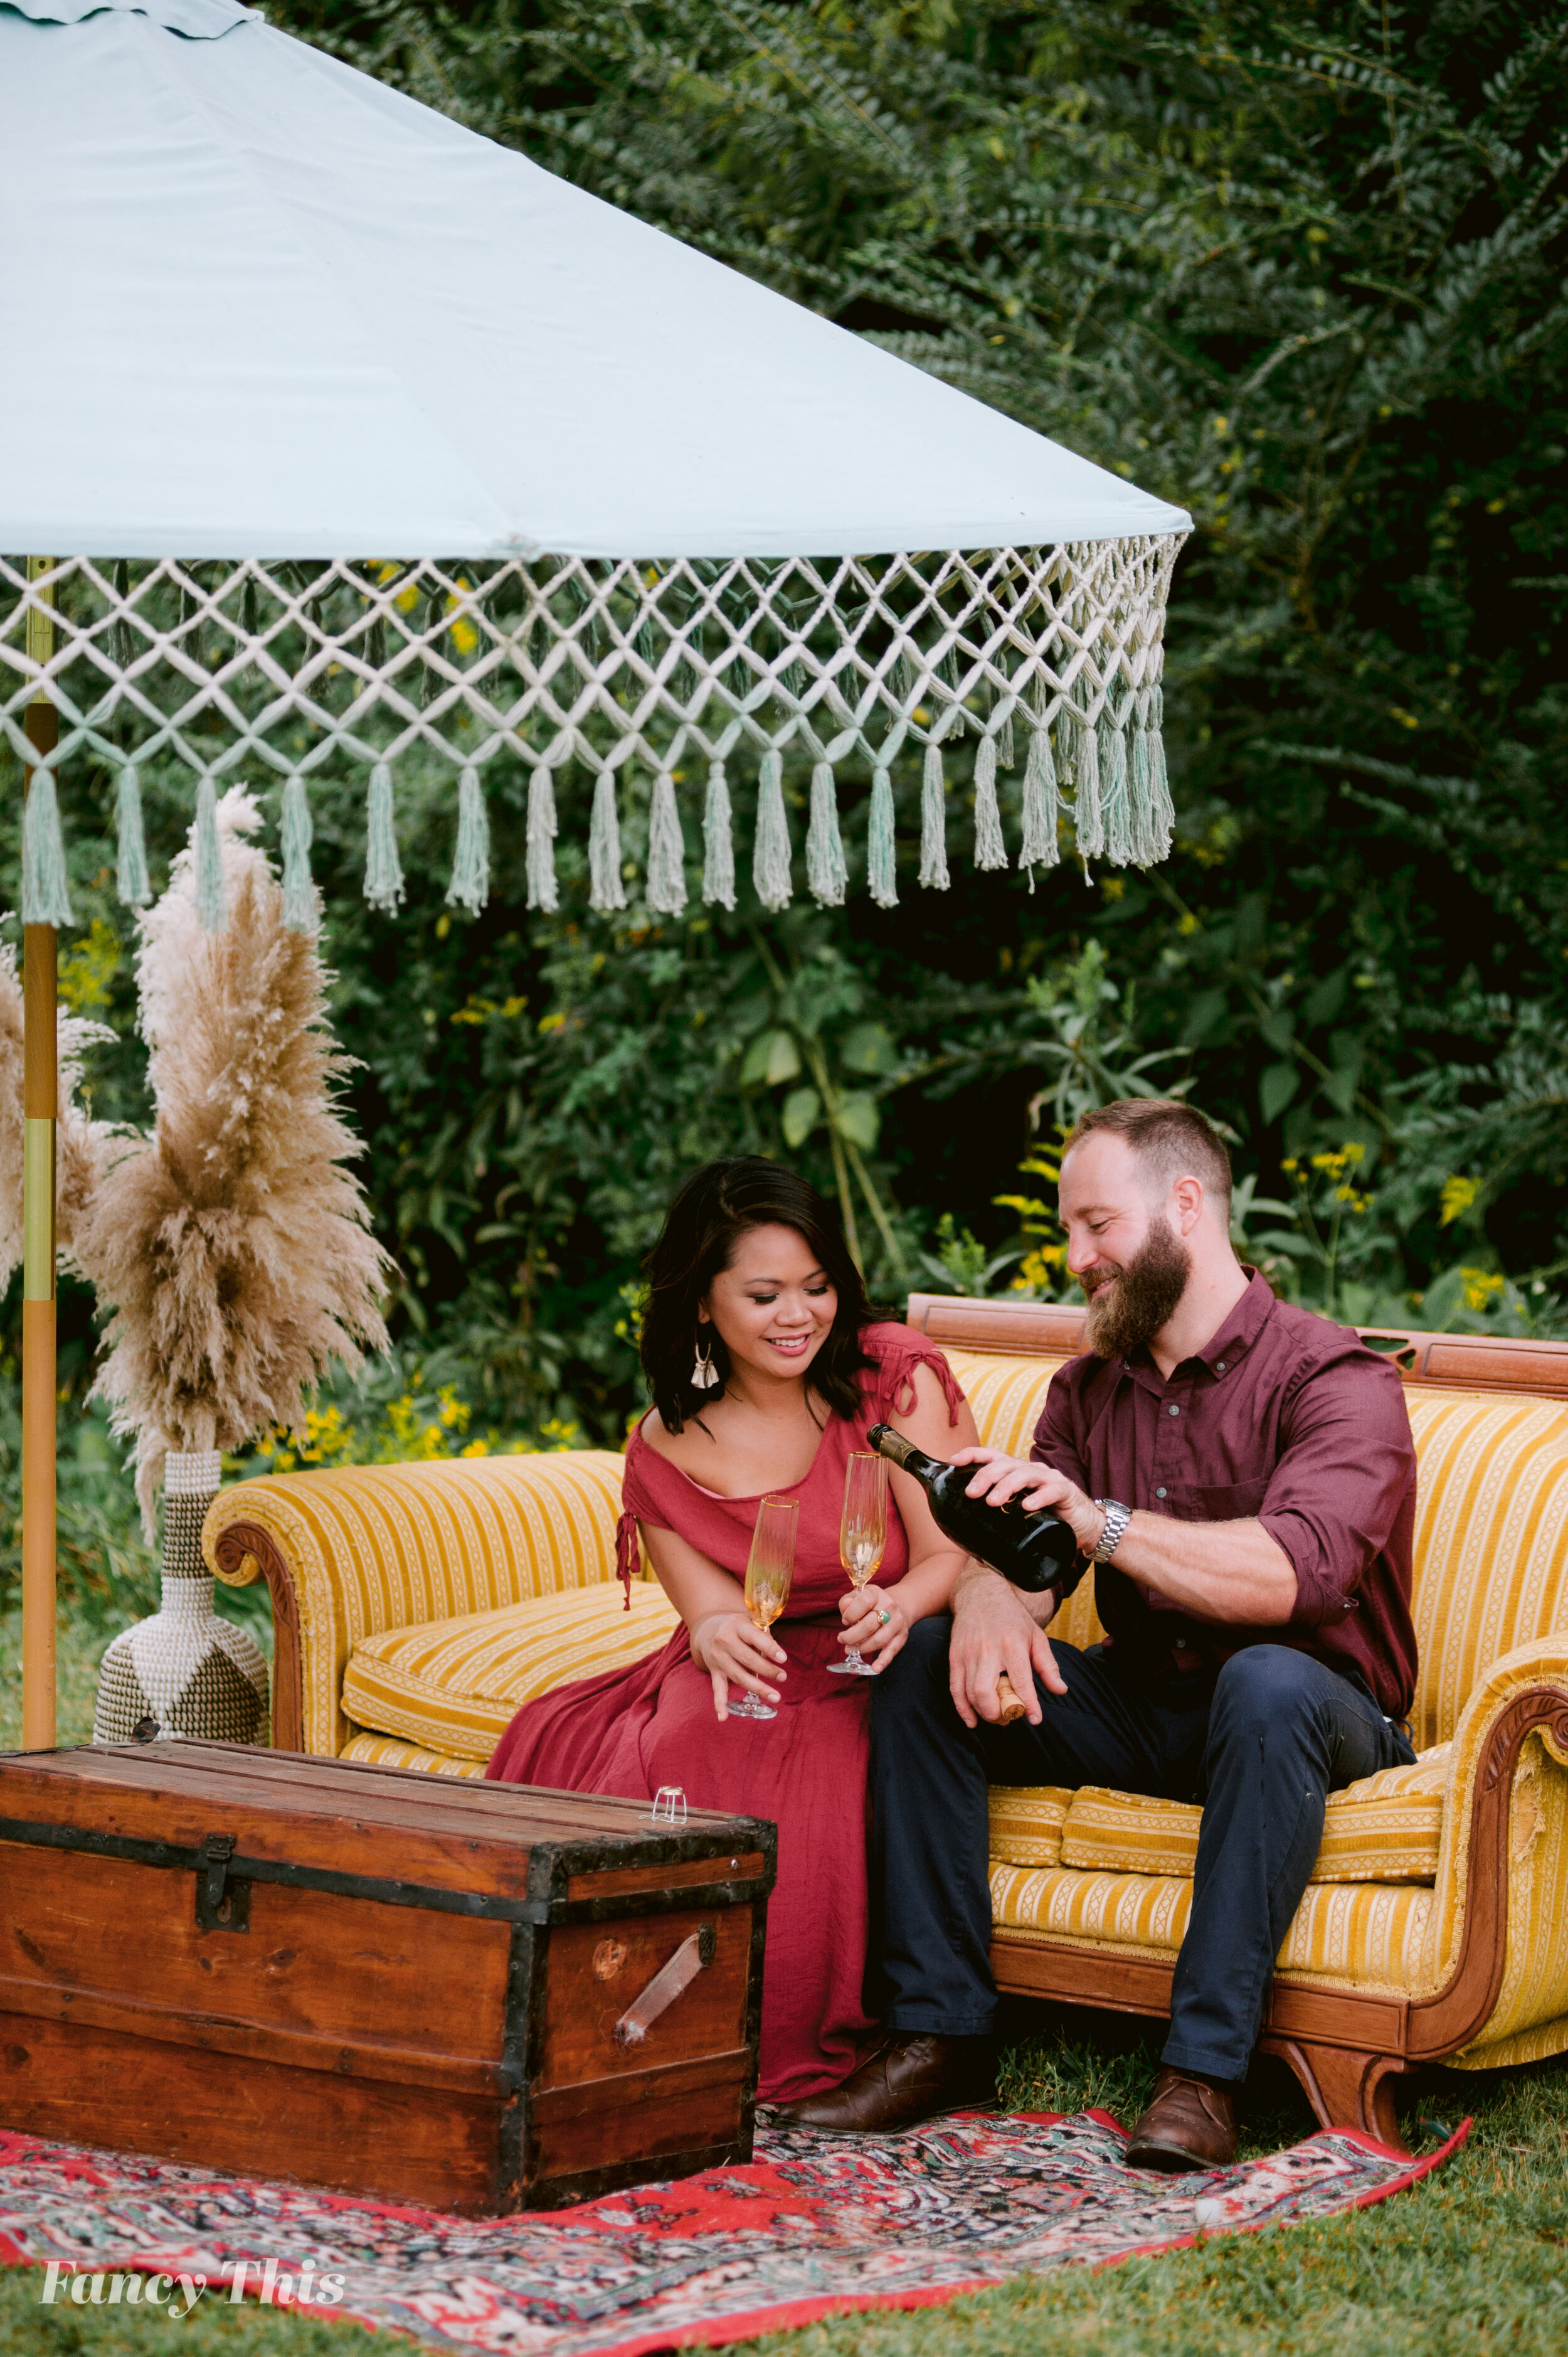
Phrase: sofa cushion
[1368,1934]
[1385,1828]
[1026,1823]
[388,1751]
[451,1686]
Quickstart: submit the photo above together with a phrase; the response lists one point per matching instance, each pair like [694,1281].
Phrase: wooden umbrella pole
[41,1105]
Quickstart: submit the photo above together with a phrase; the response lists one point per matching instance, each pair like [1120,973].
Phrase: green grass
[1475,2261]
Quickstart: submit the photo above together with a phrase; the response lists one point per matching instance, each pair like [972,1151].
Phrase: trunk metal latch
[221,1905]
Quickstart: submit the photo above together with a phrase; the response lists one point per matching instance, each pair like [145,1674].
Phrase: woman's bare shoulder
[678,1448]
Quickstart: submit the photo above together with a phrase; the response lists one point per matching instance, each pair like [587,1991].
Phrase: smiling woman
[768,1370]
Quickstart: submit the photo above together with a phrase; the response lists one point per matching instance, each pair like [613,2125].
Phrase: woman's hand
[734,1651]
[874,1623]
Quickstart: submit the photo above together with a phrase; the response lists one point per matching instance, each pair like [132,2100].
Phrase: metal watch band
[1117,1517]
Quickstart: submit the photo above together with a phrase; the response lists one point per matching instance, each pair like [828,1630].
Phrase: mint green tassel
[1040,848]
[130,878]
[300,912]
[1089,822]
[212,901]
[881,851]
[46,899]
[666,851]
[384,869]
[827,871]
[933,824]
[718,841]
[606,891]
[1140,785]
[542,892]
[770,851]
[1161,805]
[1113,794]
[990,844]
[470,885]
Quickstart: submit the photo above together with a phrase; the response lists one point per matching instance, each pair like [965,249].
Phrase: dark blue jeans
[1261,1745]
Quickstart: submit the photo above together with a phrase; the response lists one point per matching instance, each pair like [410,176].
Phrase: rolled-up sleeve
[1338,1488]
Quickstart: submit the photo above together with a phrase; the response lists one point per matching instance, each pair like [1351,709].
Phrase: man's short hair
[1172,1140]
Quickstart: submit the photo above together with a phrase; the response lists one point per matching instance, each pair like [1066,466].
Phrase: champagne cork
[1012,1708]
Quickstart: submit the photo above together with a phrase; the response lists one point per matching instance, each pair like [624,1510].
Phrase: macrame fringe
[46,898]
[470,885]
[718,841]
[666,850]
[300,913]
[1088,823]
[881,849]
[542,892]
[1040,848]
[384,869]
[933,824]
[990,845]
[132,881]
[211,902]
[1163,823]
[827,870]
[1114,800]
[605,891]
[770,852]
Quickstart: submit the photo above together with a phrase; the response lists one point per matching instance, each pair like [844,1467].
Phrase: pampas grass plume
[232,1246]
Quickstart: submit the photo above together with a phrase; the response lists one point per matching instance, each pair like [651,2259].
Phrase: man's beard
[1143,1296]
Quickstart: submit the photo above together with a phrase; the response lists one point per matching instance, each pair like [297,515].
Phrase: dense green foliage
[1303,273]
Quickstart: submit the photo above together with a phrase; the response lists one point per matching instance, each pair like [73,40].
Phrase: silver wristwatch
[1117,1517]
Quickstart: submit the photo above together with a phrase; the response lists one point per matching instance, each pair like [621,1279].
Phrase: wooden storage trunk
[372,1981]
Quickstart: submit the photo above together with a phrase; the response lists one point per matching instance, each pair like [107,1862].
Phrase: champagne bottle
[1033,1550]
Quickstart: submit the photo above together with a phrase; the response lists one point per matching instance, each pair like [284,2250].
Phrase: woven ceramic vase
[186,1671]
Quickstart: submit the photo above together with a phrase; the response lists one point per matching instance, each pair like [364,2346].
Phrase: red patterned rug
[814,2226]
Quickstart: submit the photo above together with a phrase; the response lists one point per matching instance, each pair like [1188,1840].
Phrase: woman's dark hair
[717,1206]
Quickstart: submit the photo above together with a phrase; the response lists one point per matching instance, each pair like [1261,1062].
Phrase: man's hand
[1001,1477]
[993,1629]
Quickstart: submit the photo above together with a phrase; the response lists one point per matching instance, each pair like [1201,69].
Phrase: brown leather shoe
[905,2078]
[1191,2124]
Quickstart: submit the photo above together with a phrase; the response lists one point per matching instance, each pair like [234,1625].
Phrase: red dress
[631,1730]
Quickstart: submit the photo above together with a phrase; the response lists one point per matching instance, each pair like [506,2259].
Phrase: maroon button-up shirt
[1284,1419]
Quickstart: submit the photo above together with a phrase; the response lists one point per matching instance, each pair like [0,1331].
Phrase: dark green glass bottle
[1033,1550]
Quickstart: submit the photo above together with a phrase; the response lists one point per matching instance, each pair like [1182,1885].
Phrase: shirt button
[1220,1369]
[1159,1493]
[1173,1409]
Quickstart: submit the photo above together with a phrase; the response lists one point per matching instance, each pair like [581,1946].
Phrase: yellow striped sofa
[417,1606]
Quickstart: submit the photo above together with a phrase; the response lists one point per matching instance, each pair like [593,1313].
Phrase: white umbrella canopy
[281,311]
[632,509]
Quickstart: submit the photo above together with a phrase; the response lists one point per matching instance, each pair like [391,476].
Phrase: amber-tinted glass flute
[768,1578]
[863,1536]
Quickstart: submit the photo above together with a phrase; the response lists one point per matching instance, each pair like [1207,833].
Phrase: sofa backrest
[1490,1422]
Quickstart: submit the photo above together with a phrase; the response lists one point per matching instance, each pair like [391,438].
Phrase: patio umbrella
[639,514]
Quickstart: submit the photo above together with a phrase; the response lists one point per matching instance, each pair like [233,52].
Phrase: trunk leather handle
[691,1957]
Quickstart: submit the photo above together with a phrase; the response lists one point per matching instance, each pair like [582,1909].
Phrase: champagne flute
[767,1576]
[863,1536]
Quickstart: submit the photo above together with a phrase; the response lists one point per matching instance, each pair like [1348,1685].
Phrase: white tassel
[933,824]
[666,851]
[543,890]
[606,891]
[881,849]
[301,909]
[470,885]
[990,845]
[718,841]
[1040,848]
[827,871]
[212,904]
[1113,797]
[770,852]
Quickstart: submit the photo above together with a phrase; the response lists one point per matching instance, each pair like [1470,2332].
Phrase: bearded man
[1242,1474]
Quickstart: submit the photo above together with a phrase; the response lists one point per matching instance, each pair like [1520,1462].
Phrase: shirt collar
[1224,1349]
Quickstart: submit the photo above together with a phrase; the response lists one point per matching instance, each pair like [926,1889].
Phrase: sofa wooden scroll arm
[242,1553]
